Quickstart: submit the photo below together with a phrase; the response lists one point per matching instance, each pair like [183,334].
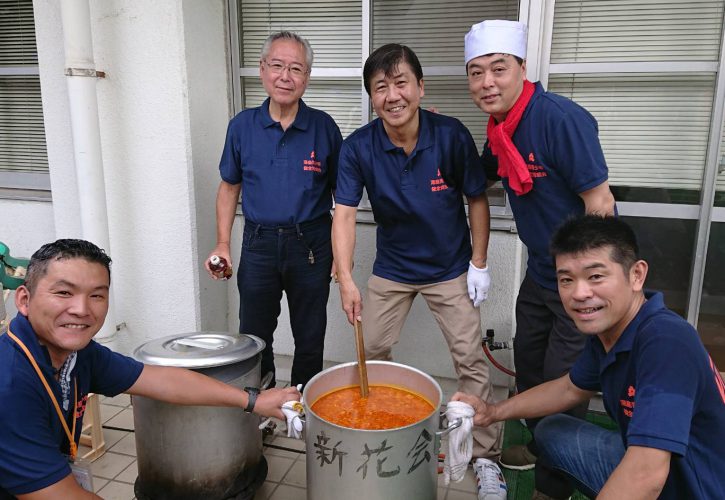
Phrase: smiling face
[396,98]
[495,82]
[286,86]
[598,293]
[67,306]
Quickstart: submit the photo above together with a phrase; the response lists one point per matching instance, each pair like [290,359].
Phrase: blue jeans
[586,453]
[297,260]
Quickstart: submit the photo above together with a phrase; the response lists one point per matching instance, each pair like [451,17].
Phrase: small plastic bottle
[220,267]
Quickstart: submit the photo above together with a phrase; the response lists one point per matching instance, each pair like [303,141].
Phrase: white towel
[460,441]
[292,411]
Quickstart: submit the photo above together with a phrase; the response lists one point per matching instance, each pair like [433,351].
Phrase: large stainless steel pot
[193,452]
[389,464]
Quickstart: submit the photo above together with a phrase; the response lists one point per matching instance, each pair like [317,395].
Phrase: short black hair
[60,250]
[591,232]
[387,59]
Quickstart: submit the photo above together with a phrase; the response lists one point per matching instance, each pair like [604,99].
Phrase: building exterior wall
[163,110]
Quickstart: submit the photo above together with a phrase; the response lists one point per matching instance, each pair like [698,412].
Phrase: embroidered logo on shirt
[81,406]
[534,169]
[438,184]
[312,165]
[628,404]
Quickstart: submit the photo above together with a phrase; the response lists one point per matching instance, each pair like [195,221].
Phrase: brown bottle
[220,267]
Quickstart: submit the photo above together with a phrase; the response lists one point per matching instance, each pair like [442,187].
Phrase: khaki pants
[384,311]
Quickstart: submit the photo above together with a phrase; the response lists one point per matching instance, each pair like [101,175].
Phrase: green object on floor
[6,261]
[521,483]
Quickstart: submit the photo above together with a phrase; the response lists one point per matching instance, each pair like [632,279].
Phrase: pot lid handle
[190,342]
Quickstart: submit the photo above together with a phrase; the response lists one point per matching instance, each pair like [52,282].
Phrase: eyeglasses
[276,68]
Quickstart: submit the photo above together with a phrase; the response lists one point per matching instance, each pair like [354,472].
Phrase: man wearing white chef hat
[546,151]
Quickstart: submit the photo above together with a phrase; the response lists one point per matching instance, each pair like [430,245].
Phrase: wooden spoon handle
[361,366]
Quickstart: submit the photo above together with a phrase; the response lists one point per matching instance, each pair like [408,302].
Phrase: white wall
[25,225]
[163,109]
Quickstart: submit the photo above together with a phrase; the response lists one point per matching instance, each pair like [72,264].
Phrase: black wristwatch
[252,392]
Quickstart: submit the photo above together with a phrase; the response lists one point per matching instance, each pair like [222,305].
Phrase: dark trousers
[545,347]
[297,260]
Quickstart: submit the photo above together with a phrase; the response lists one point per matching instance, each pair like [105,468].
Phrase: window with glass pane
[642,30]
[667,246]
[22,132]
[653,127]
[654,141]
[333,28]
[432,28]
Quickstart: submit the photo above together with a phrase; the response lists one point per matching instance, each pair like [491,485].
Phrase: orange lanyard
[71,435]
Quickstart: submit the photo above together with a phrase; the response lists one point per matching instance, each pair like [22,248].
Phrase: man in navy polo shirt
[657,380]
[283,157]
[546,150]
[49,363]
[416,167]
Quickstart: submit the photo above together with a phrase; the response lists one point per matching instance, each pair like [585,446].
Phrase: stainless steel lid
[199,349]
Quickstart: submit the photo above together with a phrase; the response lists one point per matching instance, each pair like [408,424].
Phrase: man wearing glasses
[282,156]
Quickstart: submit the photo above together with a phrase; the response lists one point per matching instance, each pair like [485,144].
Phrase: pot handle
[451,426]
[266,380]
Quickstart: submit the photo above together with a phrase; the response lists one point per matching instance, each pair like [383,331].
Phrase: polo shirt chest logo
[438,184]
[81,406]
[535,170]
[312,165]
[627,404]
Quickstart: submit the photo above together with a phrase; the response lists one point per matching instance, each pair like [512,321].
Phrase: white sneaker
[491,484]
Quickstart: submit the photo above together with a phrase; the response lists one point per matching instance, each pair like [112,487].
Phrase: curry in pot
[386,407]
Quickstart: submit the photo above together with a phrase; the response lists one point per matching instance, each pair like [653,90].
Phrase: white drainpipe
[81,76]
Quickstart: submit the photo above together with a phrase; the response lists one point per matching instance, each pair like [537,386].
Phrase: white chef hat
[496,37]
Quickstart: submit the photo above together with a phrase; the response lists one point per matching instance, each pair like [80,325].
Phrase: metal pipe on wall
[81,79]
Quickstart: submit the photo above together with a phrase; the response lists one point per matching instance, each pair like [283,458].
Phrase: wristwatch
[252,392]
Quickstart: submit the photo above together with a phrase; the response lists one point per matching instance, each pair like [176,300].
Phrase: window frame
[238,72]
[705,213]
[24,185]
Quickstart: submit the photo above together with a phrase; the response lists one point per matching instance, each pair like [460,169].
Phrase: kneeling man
[657,380]
[49,364]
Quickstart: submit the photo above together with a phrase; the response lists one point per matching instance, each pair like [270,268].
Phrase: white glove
[479,282]
[460,442]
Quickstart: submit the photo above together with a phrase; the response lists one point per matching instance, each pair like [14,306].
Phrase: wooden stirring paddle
[361,366]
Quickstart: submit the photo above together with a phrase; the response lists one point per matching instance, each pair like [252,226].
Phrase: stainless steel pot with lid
[191,452]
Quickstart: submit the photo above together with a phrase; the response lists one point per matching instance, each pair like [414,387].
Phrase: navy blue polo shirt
[417,200]
[287,176]
[663,390]
[32,437]
[558,140]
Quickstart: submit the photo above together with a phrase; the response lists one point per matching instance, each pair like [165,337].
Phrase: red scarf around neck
[510,163]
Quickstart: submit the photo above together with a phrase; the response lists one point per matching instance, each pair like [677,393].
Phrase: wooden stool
[92,433]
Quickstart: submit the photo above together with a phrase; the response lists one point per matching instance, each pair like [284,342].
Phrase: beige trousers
[384,311]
